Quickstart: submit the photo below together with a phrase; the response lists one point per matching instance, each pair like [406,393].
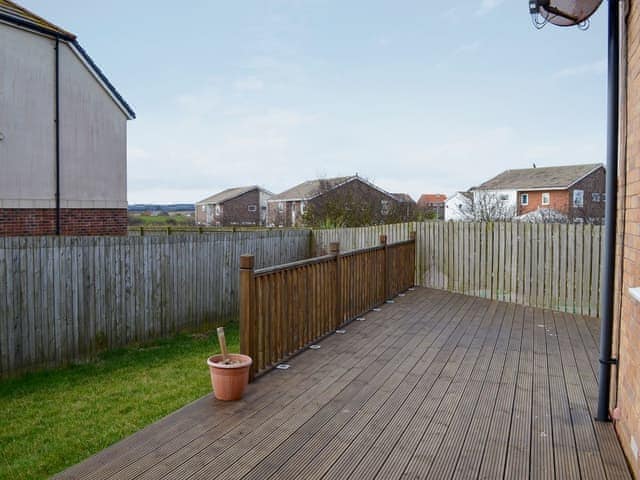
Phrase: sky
[274,92]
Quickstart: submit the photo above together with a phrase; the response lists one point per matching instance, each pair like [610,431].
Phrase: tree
[487,207]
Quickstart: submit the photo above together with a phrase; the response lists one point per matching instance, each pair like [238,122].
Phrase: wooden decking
[437,385]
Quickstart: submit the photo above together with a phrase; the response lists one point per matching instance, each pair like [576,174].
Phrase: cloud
[594,68]
[488,5]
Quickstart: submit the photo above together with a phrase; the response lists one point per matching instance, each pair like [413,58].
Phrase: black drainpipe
[57,114]
[608,260]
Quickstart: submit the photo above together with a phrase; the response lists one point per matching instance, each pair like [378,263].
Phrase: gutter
[57,121]
[35,27]
[608,260]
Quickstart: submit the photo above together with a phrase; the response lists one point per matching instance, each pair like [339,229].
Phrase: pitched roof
[404,197]
[542,177]
[11,12]
[431,198]
[311,188]
[229,194]
[18,13]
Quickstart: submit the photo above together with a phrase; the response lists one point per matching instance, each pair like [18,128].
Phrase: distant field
[160,220]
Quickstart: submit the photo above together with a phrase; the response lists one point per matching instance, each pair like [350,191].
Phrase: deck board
[436,385]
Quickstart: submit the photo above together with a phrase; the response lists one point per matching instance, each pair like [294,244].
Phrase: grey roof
[229,194]
[404,197]
[13,13]
[542,177]
[311,188]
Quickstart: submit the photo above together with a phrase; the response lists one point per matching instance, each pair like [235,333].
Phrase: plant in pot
[229,371]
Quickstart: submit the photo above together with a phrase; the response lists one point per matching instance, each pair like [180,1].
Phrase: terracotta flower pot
[229,381]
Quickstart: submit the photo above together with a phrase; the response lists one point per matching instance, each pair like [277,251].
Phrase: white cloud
[594,68]
[488,5]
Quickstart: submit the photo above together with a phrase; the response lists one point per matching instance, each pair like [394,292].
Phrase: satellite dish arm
[536,5]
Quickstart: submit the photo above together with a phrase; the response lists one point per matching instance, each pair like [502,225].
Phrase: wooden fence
[285,308]
[553,266]
[62,299]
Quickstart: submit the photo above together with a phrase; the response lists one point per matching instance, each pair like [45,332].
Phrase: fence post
[334,249]
[246,301]
[383,242]
[414,256]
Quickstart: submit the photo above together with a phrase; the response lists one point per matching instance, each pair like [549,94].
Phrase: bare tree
[544,215]
[487,207]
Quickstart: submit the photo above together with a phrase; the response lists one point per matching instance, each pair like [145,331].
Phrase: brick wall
[594,183]
[283,218]
[558,200]
[626,380]
[236,210]
[74,221]
[364,199]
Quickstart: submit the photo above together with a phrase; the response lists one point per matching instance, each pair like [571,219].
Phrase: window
[302,208]
[595,197]
[546,198]
[503,197]
[202,208]
[578,198]
[524,199]
[218,209]
[281,206]
[603,197]
[252,208]
[384,207]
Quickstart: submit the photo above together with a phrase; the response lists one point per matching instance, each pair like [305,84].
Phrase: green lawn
[51,420]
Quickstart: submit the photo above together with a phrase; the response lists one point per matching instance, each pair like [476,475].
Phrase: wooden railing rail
[284,309]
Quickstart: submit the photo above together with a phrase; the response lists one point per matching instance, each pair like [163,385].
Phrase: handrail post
[383,242]
[414,266]
[334,249]
[246,301]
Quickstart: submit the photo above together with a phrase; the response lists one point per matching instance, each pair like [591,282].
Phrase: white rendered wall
[93,139]
[27,114]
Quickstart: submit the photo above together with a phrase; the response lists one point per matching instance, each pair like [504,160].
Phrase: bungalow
[407,204]
[576,191]
[63,134]
[433,203]
[239,206]
[349,201]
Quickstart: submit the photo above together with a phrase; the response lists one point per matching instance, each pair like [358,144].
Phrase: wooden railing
[284,309]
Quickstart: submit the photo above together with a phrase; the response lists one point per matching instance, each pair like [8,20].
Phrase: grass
[161,221]
[53,419]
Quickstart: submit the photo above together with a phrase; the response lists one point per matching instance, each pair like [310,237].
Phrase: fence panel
[63,299]
[553,266]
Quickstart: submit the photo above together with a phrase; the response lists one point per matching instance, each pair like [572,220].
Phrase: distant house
[576,191]
[407,205]
[433,203]
[345,200]
[63,134]
[240,206]
[458,206]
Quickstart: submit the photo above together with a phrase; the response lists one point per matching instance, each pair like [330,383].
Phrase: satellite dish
[564,13]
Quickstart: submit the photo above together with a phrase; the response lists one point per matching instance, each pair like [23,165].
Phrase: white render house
[63,133]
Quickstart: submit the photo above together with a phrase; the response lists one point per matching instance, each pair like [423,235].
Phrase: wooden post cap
[334,248]
[383,239]
[246,262]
